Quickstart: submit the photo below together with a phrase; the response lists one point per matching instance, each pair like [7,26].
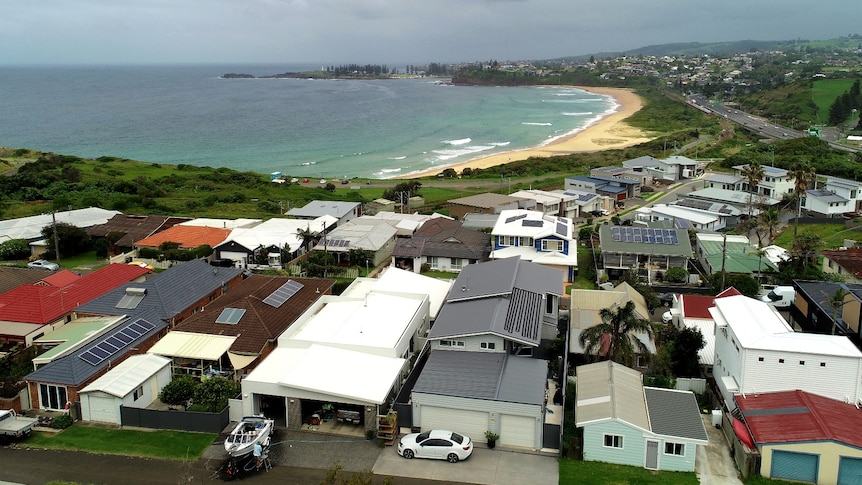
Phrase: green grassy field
[825,91]
[590,472]
[169,445]
[833,235]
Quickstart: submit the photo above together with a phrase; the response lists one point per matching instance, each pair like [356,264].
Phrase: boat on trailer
[250,430]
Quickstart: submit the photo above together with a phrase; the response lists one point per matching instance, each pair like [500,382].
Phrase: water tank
[716,418]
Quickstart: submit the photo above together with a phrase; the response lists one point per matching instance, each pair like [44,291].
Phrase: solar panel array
[644,235]
[116,342]
[230,315]
[515,218]
[586,197]
[283,293]
[338,243]
[531,223]
[562,229]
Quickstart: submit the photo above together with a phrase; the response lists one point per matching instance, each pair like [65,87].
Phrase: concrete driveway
[485,466]
[713,464]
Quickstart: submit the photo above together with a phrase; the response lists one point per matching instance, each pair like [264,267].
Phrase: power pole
[56,238]
[723,257]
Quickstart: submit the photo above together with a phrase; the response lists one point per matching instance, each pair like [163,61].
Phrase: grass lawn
[585,262]
[833,235]
[169,445]
[592,472]
[826,91]
[759,480]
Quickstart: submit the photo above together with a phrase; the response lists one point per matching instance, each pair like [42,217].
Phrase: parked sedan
[43,264]
[436,444]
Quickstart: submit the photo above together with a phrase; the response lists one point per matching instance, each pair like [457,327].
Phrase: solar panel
[531,223]
[562,229]
[283,293]
[115,342]
[515,218]
[230,316]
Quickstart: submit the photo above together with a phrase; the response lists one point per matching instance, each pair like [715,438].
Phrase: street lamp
[366,266]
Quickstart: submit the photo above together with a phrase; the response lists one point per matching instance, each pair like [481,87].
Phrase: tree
[214,392]
[178,392]
[804,249]
[72,240]
[316,263]
[309,237]
[449,173]
[679,353]
[836,301]
[767,223]
[753,175]
[614,338]
[803,176]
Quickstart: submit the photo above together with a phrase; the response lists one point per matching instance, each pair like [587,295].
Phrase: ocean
[299,127]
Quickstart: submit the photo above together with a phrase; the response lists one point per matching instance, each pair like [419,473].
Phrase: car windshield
[457,438]
[423,436]
[773,296]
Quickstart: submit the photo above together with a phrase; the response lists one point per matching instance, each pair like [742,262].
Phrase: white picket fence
[693,384]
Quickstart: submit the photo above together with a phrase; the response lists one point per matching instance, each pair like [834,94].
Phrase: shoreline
[609,132]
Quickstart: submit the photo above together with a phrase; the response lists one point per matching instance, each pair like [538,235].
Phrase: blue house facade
[536,237]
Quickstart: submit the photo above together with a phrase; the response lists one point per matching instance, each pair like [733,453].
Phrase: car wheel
[452,458]
[407,454]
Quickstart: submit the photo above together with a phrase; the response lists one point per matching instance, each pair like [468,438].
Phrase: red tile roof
[849,259]
[39,304]
[728,292]
[799,416]
[188,237]
[697,306]
[61,278]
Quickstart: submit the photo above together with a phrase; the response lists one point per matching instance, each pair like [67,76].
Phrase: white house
[342,211]
[550,203]
[776,181]
[533,236]
[849,189]
[826,203]
[271,236]
[135,382]
[701,220]
[756,350]
[347,352]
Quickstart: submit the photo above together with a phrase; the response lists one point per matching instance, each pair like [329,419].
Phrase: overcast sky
[392,32]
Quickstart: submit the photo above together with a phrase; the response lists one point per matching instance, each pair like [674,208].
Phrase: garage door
[795,466]
[518,431]
[469,423]
[849,470]
[104,409]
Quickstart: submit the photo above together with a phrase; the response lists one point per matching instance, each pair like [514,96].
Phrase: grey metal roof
[317,208]
[825,196]
[674,413]
[682,248]
[168,293]
[495,376]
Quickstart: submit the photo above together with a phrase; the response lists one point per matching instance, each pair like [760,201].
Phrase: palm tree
[753,174]
[760,252]
[803,176]
[837,302]
[309,237]
[768,221]
[614,338]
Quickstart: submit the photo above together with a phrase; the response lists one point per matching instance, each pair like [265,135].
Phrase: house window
[801,362]
[451,343]
[433,262]
[642,362]
[139,392]
[823,364]
[550,301]
[780,361]
[760,359]
[507,240]
[455,263]
[525,241]
[674,449]
[488,345]
[552,245]
[613,441]
[52,397]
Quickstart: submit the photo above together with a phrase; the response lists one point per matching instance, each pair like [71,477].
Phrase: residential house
[669,170]
[444,245]
[406,225]
[730,253]
[496,314]
[550,203]
[744,202]
[373,235]
[542,239]
[828,307]
[757,351]
[275,241]
[700,220]
[136,382]
[585,312]
[616,189]
[344,212]
[488,203]
[627,423]
[149,308]
[187,237]
[725,181]
[239,329]
[644,178]
[804,437]
[646,165]
[848,189]
[583,203]
[398,281]
[11,277]
[345,354]
[775,184]
[69,337]
[628,247]
[846,263]
[826,203]
[30,228]
[122,230]
[30,311]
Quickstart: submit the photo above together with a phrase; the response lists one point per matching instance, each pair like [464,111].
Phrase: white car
[43,264]
[666,317]
[436,444]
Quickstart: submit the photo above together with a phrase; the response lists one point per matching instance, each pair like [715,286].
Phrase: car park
[43,264]
[437,445]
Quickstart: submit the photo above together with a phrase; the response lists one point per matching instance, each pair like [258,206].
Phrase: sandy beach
[607,133]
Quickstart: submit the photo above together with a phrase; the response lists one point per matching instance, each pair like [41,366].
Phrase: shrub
[14,249]
[178,392]
[676,275]
[62,421]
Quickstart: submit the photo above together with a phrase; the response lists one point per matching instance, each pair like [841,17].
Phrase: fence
[177,420]
[696,385]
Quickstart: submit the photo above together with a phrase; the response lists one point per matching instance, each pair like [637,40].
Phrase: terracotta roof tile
[188,237]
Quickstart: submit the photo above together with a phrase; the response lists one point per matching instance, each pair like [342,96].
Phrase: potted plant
[492,438]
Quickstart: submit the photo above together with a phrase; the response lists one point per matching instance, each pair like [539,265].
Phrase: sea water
[300,127]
